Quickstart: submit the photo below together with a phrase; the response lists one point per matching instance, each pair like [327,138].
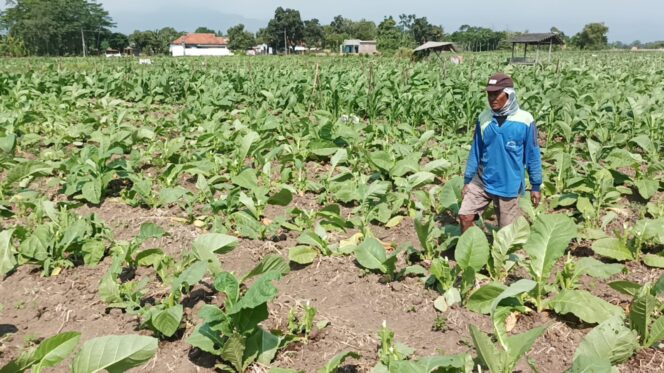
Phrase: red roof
[200,39]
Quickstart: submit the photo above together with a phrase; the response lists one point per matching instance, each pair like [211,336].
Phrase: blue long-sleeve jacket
[500,155]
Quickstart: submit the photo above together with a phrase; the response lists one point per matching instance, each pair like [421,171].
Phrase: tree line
[76,27]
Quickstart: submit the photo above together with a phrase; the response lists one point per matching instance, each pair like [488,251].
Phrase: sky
[628,20]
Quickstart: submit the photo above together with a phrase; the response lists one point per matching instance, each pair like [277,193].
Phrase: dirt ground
[354,302]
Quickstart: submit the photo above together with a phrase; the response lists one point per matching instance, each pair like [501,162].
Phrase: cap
[498,82]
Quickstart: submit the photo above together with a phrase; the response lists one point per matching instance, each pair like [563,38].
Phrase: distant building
[110,52]
[262,49]
[359,47]
[200,45]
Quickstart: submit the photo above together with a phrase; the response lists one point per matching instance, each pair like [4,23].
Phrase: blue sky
[627,20]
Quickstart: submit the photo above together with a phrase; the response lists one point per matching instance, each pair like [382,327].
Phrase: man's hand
[536,197]
[465,190]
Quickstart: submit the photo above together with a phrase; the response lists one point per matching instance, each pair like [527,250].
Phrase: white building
[358,47]
[200,45]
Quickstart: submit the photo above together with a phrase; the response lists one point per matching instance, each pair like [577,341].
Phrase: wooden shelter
[435,47]
[536,40]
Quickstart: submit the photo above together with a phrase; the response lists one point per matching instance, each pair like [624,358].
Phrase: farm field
[299,214]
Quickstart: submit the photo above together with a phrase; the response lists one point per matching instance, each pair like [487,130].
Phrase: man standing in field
[504,145]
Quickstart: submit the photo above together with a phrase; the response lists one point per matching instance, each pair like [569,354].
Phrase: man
[504,145]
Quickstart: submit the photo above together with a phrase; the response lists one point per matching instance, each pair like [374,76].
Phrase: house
[110,52]
[359,47]
[262,49]
[194,44]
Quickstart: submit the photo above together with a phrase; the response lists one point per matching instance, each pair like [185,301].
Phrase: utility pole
[285,42]
[83,42]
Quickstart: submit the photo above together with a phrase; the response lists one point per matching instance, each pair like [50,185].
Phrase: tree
[165,37]
[117,41]
[285,27]
[423,31]
[313,33]
[417,30]
[593,36]
[341,25]
[363,30]
[389,35]
[205,30]
[145,41]
[478,38]
[240,39]
[56,27]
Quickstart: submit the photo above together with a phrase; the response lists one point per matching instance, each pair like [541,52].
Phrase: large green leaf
[93,252]
[612,248]
[233,351]
[382,160]
[647,187]
[282,198]
[260,292]
[450,195]
[640,312]
[269,263]
[652,260]
[302,254]
[511,236]
[262,346]
[610,341]
[207,246]
[487,353]
[656,332]
[246,179]
[333,365]
[7,143]
[518,345]
[36,245]
[456,363]
[472,250]
[482,299]
[191,276]
[438,166]
[585,306]
[549,237]
[91,191]
[371,255]
[593,267]
[227,283]
[115,353]
[245,144]
[507,240]
[7,257]
[205,339]
[74,233]
[151,230]
[167,321]
[25,169]
[420,178]
[215,242]
[625,287]
[169,196]
[517,288]
[50,353]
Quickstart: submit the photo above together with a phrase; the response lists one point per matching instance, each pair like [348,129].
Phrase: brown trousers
[477,200]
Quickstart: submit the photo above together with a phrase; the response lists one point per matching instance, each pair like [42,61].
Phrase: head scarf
[511,106]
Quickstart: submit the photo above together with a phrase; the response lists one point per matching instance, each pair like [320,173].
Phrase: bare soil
[354,302]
